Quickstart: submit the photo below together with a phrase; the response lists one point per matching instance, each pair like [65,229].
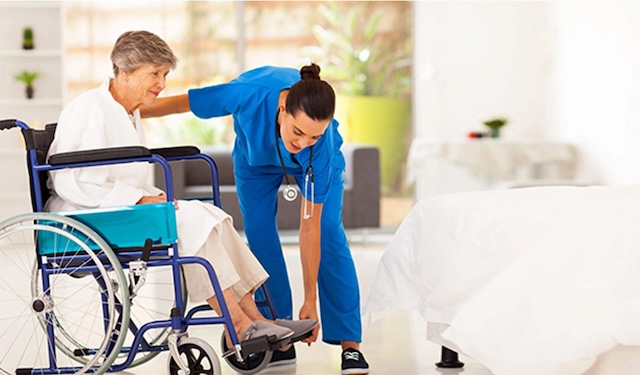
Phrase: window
[212,44]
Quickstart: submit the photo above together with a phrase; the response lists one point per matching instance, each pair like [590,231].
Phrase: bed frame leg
[449,359]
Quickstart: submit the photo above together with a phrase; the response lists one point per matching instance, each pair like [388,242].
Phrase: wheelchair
[88,291]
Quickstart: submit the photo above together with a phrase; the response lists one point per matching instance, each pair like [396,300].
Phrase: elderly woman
[109,117]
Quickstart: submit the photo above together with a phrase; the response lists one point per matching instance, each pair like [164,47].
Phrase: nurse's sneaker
[353,362]
[282,358]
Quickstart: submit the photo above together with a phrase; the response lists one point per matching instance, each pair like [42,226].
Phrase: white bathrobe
[95,120]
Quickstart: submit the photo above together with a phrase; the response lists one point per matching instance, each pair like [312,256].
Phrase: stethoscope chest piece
[290,194]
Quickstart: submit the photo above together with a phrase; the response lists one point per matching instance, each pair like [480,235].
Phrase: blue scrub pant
[338,289]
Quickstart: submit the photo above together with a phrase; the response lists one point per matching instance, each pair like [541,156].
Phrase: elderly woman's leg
[240,320]
[251,272]
[245,326]
[239,274]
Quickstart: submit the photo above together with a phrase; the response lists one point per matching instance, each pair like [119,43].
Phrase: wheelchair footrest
[262,344]
[301,337]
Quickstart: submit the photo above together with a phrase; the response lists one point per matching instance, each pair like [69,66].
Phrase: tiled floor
[394,345]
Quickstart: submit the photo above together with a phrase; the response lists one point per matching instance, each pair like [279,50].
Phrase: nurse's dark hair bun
[310,72]
[311,95]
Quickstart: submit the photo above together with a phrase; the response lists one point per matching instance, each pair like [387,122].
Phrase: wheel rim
[67,302]
[199,356]
[152,303]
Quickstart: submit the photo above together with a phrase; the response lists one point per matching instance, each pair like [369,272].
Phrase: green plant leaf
[349,35]
[27,77]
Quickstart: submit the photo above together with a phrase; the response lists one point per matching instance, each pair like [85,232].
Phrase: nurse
[283,120]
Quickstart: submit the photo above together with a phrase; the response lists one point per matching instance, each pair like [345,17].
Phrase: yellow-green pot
[384,122]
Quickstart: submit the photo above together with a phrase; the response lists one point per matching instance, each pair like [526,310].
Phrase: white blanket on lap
[532,281]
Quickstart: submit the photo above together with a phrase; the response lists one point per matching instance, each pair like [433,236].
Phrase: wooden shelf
[45,102]
[40,53]
[46,19]
[29,4]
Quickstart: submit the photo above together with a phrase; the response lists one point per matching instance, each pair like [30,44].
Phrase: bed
[534,281]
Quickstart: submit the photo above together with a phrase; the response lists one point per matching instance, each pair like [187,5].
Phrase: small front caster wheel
[199,357]
[254,363]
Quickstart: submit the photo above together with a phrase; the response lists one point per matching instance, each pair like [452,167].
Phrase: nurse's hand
[309,311]
[146,199]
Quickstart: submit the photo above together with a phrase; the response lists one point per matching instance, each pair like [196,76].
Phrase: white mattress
[530,281]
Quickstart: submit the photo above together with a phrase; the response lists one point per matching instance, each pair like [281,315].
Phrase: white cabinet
[45,18]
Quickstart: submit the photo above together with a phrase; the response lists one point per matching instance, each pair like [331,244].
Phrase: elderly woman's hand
[146,199]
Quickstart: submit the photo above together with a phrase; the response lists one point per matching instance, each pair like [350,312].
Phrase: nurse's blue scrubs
[252,99]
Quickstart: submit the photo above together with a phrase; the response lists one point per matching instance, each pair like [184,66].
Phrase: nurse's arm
[310,257]
[166,106]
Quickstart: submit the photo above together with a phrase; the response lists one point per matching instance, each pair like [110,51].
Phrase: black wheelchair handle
[7,124]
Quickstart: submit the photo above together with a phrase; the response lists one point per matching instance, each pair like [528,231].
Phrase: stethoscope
[289,193]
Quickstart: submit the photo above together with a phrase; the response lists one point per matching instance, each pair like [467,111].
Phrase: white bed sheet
[537,281]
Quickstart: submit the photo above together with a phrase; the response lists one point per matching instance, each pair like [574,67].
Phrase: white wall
[14,184]
[563,71]
[598,76]
[475,60]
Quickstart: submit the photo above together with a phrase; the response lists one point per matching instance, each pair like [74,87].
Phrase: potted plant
[370,68]
[27,38]
[27,78]
[494,124]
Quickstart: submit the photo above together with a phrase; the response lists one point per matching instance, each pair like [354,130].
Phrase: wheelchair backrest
[40,141]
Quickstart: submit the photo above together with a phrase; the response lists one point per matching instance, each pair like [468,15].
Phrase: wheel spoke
[200,358]
[72,306]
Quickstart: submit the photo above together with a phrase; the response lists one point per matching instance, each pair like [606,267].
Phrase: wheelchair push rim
[74,296]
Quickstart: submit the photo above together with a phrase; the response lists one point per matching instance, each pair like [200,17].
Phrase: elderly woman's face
[145,83]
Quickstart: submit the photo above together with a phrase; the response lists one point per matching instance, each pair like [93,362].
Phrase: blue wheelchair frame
[132,242]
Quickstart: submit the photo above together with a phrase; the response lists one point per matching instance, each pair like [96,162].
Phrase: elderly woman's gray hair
[134,48]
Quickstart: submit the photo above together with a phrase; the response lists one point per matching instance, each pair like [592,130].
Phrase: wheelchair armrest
[175,152]
[103,154]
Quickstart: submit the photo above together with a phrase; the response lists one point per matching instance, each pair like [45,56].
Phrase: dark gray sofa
[361,207]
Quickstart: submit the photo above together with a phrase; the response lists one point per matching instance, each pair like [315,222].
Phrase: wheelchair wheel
[199,356]
[153,302]
[255,363]
[58,283]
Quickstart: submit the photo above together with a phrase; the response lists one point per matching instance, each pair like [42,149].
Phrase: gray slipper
[260,328]
[300,327]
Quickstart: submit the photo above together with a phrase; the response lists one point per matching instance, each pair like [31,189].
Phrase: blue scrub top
[252,99]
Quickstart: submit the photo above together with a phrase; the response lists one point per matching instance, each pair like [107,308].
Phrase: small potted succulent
[27,78]
[494,124]
[27,38]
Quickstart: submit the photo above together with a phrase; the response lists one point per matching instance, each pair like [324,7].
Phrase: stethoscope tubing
[289,193]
